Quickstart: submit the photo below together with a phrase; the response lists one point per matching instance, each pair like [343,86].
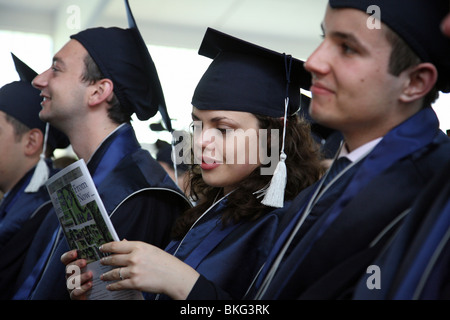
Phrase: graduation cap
[417,22]
[22,101]
[250,78]
[247,77]
[123,57]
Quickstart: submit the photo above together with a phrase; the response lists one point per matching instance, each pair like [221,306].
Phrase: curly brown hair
[303,169]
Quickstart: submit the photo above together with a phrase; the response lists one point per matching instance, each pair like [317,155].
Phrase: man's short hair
[93,74]
[19,128]
[403,57]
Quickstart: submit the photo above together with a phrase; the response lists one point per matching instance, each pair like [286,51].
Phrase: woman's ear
[421,79]
[101,91]
[34,142]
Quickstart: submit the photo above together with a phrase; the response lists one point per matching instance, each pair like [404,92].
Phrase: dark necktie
[337,166]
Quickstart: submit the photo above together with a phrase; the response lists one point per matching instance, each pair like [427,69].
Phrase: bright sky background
[179,71]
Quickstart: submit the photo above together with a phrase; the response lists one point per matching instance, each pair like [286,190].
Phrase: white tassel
[274,194]
[41,172]
[40,176]
[174,160]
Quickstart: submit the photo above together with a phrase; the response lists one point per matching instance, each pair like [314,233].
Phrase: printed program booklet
[86,224]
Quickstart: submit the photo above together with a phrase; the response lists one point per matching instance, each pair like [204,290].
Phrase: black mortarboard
[123,57]
[22,101]
[246,77]
[417,22]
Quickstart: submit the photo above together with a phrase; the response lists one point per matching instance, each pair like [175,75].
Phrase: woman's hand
[144,267]
[81,281]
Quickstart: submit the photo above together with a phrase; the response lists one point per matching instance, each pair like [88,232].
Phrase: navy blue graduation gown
[21,215]
[333,252]
[18,206]
[227,258]
[416,264]
[142,200]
